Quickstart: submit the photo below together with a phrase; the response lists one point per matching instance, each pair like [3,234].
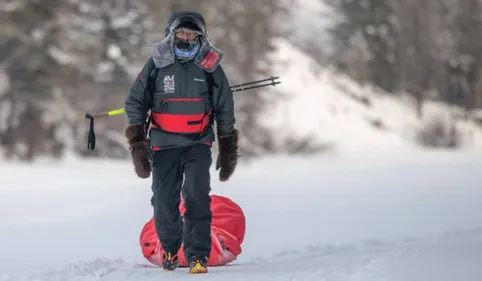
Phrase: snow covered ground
[376,208]
[417,217]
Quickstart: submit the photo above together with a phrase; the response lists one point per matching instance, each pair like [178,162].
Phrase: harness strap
[151,87]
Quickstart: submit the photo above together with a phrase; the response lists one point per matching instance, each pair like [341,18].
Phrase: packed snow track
[329,219]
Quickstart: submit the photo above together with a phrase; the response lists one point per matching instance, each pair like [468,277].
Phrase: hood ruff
[208,56]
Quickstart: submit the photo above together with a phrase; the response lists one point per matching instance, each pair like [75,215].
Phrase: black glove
[228,155]
[140,151]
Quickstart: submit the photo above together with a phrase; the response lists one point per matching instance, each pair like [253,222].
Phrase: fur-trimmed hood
[208,57]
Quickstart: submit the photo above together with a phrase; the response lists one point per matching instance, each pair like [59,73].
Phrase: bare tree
[423,48]
[63,58]
[467,57]
[367,26]
[406,44]
[30,33]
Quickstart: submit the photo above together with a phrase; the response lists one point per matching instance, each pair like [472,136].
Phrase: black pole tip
[91,136]
[88,116]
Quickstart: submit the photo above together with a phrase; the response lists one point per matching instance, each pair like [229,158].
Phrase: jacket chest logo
[169,84]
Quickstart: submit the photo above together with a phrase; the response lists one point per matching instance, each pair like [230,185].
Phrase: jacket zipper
[184,64]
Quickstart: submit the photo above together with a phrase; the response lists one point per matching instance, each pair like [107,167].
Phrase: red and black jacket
[183,105]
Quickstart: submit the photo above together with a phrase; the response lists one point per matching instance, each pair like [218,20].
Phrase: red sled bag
[227,234]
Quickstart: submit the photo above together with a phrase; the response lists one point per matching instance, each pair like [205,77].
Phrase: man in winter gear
[187,91]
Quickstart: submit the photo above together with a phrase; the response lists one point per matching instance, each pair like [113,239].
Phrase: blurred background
[354,73]
[392,86]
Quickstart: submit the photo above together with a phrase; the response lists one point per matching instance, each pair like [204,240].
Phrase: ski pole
[235,88]
[91,136]
[254,87]
[255,82]
[242,88]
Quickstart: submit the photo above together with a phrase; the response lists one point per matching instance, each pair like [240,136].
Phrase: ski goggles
[190,19]
[192,34]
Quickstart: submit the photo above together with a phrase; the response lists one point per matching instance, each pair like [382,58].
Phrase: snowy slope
[325,219]
[315,100]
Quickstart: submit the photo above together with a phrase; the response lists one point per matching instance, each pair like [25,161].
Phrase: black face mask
[185,44]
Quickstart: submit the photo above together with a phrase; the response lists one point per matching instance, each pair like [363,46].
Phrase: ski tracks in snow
[317,263]
[312,263]
[411,259]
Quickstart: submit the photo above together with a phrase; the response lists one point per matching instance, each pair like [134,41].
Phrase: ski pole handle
[104,114]
[91,135]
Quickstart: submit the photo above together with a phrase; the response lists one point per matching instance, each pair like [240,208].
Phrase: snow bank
[339,111]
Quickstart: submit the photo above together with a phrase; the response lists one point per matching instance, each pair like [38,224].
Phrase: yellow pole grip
[116,112]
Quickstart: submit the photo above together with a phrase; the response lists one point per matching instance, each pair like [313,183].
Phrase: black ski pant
[170,167]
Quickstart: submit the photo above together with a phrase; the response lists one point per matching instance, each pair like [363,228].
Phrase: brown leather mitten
[140,150]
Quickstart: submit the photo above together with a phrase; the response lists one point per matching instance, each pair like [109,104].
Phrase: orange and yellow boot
[198,265]
[169,261]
